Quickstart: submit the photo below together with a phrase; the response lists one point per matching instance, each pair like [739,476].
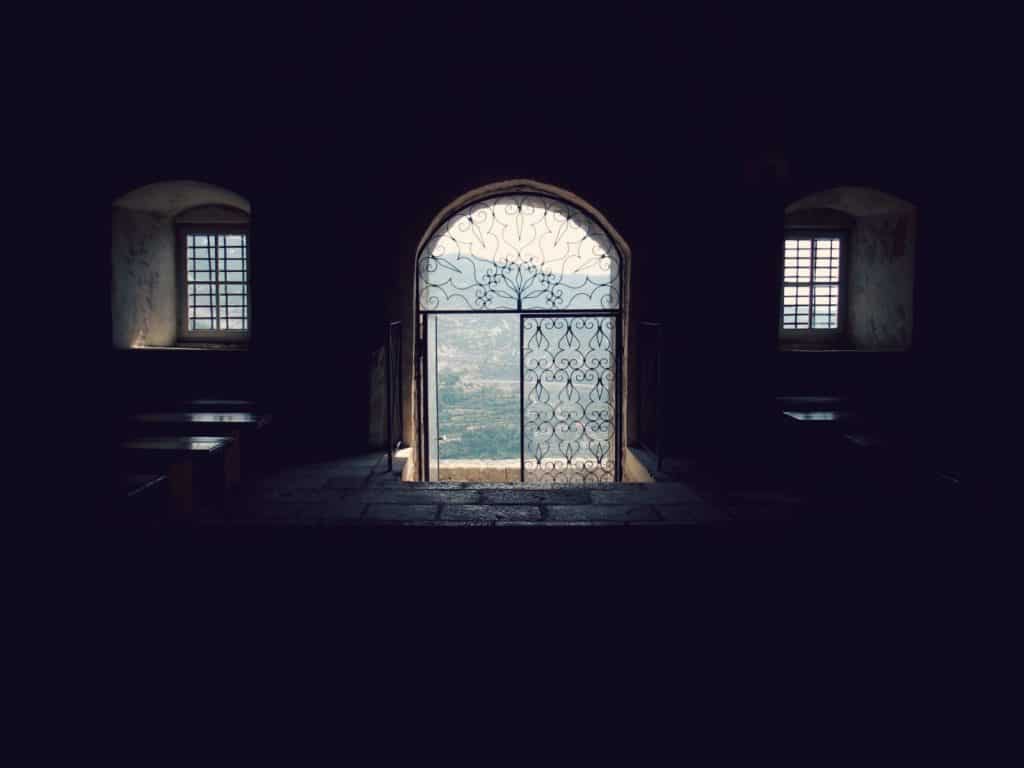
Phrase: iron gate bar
[618,399]
[437,403]
[421,368]
[522,407]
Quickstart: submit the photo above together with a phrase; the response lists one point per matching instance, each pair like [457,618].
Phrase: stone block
[556,524]
[490,512]
[342,511]
[617,513]
[348,481]
[399,513]
[422,496]
[546,496]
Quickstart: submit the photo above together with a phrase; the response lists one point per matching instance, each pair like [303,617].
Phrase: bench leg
[233,465]
[180,484]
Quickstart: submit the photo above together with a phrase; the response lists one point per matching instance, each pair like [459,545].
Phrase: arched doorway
[520,306]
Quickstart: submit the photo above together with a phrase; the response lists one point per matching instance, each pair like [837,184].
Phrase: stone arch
[514,187]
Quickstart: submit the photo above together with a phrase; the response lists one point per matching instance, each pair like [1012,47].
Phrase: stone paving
[359,491]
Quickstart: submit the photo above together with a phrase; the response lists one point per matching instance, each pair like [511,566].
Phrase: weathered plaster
[173,197]
[143,279]
[881,281]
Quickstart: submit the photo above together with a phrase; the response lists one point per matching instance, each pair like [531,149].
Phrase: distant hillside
[478,386]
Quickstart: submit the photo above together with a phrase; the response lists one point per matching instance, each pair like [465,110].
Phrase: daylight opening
[520,343]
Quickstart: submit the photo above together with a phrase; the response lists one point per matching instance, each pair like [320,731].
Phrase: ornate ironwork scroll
[570,398]
[519,252]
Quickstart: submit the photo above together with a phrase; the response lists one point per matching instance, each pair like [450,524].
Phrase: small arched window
[181,258]
[848,270]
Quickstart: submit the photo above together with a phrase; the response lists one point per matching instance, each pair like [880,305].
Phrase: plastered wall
[143,289]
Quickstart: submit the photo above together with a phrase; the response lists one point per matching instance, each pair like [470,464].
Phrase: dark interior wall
[350,146]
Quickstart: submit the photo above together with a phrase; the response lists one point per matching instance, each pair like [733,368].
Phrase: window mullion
[813,291]
[216,278]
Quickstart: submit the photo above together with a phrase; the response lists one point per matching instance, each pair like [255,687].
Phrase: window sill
[196,347]
[837,348]
[816,348]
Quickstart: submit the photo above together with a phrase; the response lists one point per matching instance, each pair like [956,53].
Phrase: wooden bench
[241,426]
[131,486]
[216,406]
[902,454]
[189,462]
[831,417]
[811,402]
[140,497]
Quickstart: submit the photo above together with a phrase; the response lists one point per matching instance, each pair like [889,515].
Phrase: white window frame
[223,336]
[811,335]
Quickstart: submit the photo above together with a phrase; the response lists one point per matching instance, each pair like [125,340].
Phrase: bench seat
[207,461]
[244,427]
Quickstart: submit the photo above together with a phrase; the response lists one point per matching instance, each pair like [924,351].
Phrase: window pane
[217,275]
[826,306]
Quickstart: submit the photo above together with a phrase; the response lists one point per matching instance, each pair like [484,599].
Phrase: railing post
[660,399]
[398,388]
[387,354]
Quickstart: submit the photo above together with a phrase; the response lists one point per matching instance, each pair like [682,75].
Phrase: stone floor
[359,491]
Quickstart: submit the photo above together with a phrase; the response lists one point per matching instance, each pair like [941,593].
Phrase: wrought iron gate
[544,260]
[570,398]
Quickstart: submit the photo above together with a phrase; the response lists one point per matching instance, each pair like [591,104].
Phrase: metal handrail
[393,384]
